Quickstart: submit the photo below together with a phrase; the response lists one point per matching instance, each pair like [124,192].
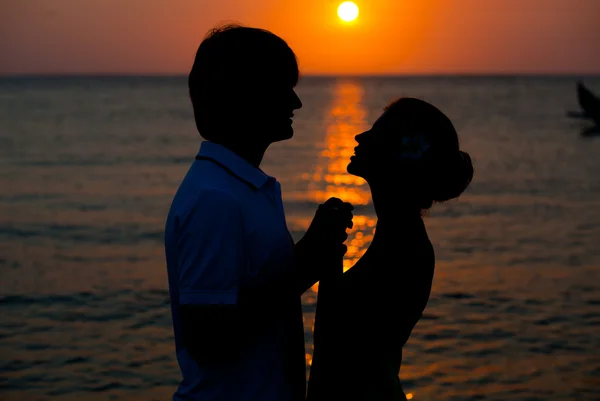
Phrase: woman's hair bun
[453,176]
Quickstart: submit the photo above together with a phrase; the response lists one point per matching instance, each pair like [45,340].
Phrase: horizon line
[311,75]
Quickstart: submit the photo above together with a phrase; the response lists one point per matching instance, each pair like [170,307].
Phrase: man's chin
[283,134]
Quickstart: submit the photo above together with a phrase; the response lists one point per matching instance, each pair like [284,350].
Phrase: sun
[348,11]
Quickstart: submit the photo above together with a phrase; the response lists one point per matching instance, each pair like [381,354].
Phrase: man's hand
[322,247]
[327,232]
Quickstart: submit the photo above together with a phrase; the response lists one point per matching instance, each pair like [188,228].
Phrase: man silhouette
[235,275]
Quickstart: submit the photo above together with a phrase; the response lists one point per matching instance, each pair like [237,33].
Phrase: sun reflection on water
[346,118]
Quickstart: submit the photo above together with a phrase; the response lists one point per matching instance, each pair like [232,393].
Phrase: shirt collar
[238,166]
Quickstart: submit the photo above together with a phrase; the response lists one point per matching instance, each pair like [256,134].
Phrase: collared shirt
[226,229]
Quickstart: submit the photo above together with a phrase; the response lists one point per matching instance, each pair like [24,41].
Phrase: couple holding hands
[236,276]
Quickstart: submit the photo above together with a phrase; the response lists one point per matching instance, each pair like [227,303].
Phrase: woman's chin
[355,169]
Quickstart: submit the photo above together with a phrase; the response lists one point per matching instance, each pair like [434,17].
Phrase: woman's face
[385,148]
[362,163]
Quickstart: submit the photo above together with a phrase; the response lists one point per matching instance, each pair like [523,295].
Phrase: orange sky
[390,36]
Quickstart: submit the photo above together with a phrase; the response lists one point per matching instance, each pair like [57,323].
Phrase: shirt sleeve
[210,249]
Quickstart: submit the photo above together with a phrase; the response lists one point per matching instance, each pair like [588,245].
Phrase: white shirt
[226,229]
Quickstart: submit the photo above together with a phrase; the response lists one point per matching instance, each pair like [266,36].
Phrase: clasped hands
[323,244]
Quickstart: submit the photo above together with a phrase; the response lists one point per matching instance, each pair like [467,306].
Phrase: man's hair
[233,63]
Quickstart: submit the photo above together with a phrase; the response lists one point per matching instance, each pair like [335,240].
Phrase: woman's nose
[359,137]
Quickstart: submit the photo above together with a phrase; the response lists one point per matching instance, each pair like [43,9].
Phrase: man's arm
[315,255]
[211,259]
[210,332]
[213,304]
[213,256]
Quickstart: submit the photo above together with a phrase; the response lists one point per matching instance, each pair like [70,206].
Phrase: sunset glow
[348,11]
[329,37]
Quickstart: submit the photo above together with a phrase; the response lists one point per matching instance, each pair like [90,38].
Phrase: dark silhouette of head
[413,147]
[242,86]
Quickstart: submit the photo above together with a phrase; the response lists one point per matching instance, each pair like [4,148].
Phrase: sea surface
[88,168]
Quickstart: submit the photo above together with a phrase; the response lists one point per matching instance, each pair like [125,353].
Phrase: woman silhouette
[411,159]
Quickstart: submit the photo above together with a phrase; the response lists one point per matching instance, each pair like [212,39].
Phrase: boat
[589,103]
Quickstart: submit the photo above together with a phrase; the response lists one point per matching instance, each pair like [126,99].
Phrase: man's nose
[297,103]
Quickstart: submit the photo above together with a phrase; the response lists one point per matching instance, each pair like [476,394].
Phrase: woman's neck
[389,206]
[399,225]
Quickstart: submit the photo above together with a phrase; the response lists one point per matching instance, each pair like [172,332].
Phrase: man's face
[265,108]
[270,110]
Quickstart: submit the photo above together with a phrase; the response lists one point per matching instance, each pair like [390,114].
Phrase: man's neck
[252,153]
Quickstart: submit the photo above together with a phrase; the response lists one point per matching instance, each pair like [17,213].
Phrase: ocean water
[88,167]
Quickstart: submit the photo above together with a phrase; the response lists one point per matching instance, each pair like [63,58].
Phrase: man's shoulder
[206,181]
[212,176]
[205,198]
